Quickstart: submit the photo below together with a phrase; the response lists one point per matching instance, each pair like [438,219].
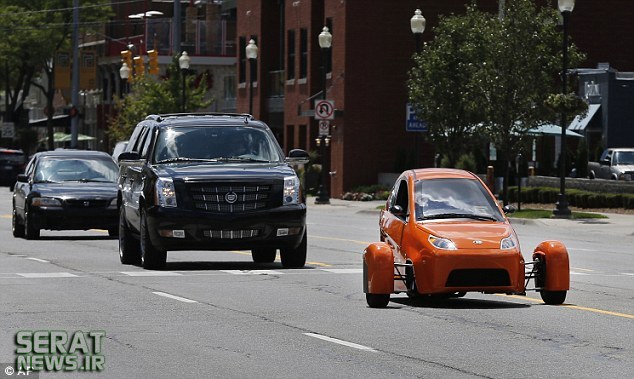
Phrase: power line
[71,8]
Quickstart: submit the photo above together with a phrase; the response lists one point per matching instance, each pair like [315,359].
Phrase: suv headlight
[291,190]
[164,193]
[508,243]
[45,202]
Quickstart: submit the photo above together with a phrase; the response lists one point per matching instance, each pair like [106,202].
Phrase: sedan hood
[215,171]
[467,234]
[76,190]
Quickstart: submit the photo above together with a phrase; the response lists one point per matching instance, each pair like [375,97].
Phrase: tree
[33,32]
[494,76]
[149,95]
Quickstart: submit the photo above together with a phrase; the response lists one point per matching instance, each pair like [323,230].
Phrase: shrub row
[575,197]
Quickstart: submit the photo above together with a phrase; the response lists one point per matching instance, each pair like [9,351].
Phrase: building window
[230,87]
[290,137]
[303,51]
[242,60]
[302,137]
[62,60]
[88,60]
[290,64]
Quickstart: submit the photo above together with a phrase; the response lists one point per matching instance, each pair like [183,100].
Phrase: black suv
[209,182]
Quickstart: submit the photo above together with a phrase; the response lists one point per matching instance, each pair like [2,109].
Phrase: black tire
[16,227]
[265,255]
[129,249]
[31,232]
[295,258]
[377,300]
[553,297]
[151,257]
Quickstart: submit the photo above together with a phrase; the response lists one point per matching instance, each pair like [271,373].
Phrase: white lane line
[341,342]
[578,273]
[627,273]
[151,273]
[183,299]
[253,272]
[38,260]
[343,270]
[47,275]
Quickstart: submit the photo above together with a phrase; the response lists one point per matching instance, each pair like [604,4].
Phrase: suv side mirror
[297,156]
[22,178]
[129,156]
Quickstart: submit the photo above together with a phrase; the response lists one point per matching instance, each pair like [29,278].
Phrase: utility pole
[74,119]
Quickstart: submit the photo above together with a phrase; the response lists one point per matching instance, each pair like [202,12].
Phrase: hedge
[575,197]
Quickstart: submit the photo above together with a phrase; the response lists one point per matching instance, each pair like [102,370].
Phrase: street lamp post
[417,24]
[252,55]
[183,63]
[124,72]
[562,210]
[323,141]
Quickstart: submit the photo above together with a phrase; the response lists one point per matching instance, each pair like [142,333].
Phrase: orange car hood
[467,234]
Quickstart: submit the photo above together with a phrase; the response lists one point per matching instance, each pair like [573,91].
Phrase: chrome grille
[230,198]
[231,234]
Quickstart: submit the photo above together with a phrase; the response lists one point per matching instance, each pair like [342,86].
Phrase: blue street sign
[412,123]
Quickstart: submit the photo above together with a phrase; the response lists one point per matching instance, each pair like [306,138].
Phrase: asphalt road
[217,314]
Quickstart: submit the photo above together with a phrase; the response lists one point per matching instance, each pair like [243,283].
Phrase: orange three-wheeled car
[443,233]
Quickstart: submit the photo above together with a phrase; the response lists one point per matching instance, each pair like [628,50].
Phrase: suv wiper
[185,159]
[241,159]
[95,181]
[458,215]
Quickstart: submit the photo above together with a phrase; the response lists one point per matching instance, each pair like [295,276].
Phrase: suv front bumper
[178,229]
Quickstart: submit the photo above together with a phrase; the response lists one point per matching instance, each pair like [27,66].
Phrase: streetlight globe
[251,50]
[124,71]
[566,5]
[417,22]
[183,61]
[325,38]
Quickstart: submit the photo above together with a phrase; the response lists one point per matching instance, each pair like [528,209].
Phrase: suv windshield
[454,198]
[623,157]
[221,143]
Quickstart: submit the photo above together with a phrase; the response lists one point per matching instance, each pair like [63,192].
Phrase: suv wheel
[266,255]
[151,257]
[16,227]
[31,232]
[295,258]
[129,252]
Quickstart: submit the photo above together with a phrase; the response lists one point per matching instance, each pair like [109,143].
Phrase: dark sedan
[12,163]
[66,190]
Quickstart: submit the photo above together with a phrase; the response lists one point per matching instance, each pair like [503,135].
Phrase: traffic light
[126,57]
[139,67]
[153,58]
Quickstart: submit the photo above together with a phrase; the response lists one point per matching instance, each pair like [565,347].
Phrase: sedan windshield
[454,198]
[215,144]
[85,169]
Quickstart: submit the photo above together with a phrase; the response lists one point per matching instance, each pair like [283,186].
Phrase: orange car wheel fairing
[378,269]
[555,256]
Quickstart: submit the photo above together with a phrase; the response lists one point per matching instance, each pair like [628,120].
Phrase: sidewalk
[619,225]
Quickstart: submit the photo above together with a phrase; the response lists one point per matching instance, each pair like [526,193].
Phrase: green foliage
[149,95]
[570,104]
[581,161]
[466,162]
[575,197]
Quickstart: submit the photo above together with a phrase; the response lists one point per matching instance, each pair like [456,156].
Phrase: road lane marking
[582,269]
[6,216]
[151,273]
[37,260]
[627,273]
[183,299]
[588,309]
[344,270]
[319,264]
[253,272]
[47,275]
[578,273]
[364,243]
[341,342]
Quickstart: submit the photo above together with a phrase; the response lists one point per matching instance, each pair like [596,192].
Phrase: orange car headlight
[508,243]
[442,243]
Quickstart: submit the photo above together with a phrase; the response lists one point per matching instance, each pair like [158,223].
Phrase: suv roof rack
[161,117]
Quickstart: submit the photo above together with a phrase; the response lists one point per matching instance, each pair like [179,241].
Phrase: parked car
[118,149]
[443,234]
[12,163]
[66,190]
[615,164]
[209,182]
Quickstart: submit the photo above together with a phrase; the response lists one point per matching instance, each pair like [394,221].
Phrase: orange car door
[393,220]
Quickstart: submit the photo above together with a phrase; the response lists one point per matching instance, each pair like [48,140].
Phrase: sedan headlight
[509,242]
[45,202]
[291,190]
[442,243]
[164,193]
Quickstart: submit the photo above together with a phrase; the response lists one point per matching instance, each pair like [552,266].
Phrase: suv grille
[231,234]
[229,198]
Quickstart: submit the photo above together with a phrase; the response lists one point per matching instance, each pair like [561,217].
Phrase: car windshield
[623,157]
[216,144]
[454,198]
[70,169]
